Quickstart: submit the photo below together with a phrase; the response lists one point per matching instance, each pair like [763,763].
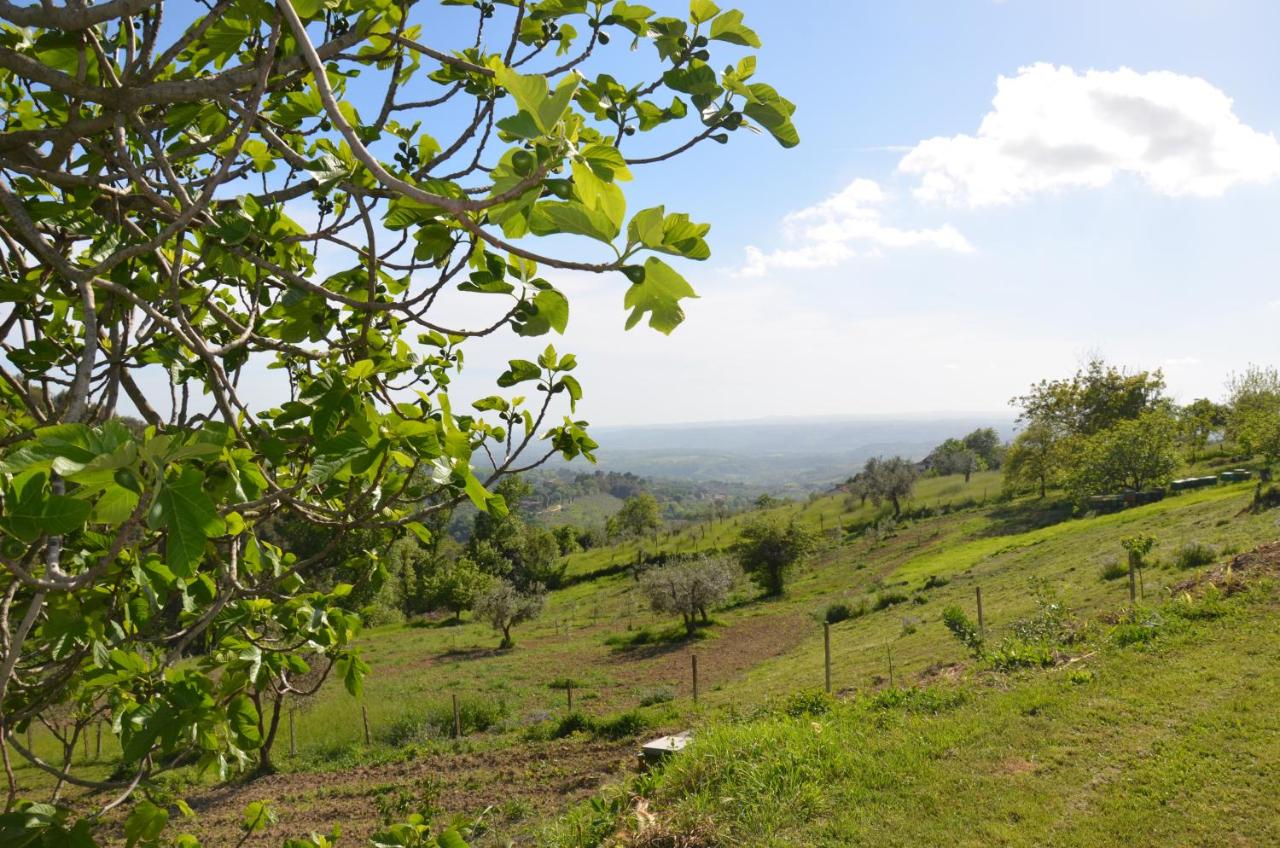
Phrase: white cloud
[1052,128]
[824,235]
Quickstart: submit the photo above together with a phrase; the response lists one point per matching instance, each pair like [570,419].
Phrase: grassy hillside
[1171,741]
[523,760]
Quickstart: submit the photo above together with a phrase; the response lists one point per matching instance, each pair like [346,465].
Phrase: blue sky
[1121,198]
[1150,262]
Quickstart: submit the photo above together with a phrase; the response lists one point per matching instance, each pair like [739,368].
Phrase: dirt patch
[1233,576]
[1016,765]
[738,648]
[512,788]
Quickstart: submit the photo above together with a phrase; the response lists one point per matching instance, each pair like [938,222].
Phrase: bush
[1207,607]
[963,628]
[884,600]
[613,727]
[434,719]
[1138,630]
[809,703]
[661,695]
[1113,569]
[934,581]
[841,611]
[1015,653]
[1194,555]
[916,700]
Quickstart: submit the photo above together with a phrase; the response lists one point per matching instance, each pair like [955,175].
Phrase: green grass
[1169,741]
[621,657]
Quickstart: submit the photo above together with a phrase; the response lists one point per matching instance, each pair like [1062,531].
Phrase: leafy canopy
[299,192]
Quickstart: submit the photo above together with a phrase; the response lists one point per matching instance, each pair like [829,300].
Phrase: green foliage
[640,515]
[1113,569]
[1136,453]
[812,702]
[843,611]
[964,629]
[148,563]
[433,719]
[1253,417]
[504,606]
[1194,555]
[890,480]
[768,551]
[888,598]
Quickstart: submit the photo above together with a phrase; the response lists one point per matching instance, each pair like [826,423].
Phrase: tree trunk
[1042,488]
[690,624]
[265,765]
[897,507]
[506,637]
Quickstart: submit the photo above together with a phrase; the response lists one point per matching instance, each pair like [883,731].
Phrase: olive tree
[687,587]
[504,605]
[890,480]
[298,193]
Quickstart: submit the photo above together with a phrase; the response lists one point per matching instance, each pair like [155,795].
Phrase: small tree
[768,552]
[504,606]
[1136,453]
[1035,459]
[455,585]
[985,442]
[1254,418]
[687,587]
[890,480]
[1198,420]
[640,514]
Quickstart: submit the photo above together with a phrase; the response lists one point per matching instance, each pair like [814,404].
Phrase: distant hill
[786,454]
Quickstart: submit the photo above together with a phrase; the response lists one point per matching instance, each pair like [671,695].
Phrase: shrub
[434,719]
[1051,624]
[1194,555]
[884,600]
[813,702]
[1014,653]
[916,700]
[934,581]
[841,611]
[1113,569]
[661,695]
[1208,606]
[963,628]
[622,725]
[1138,630]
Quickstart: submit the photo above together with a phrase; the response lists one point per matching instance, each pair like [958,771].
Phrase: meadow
[524,758]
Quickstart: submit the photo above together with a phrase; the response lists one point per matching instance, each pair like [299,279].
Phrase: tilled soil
[514,787]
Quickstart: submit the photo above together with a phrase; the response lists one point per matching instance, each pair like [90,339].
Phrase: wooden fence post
[569,691]
[889,651]
[1133,582]
[364,716]
[457,718]
[982,624]
[826,654]
[694,660]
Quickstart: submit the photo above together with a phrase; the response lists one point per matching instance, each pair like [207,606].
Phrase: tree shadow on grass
[1014,520]
[468,654]
[649,642]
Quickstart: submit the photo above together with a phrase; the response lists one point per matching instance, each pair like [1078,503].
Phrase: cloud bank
[1052,128]
[830,232]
